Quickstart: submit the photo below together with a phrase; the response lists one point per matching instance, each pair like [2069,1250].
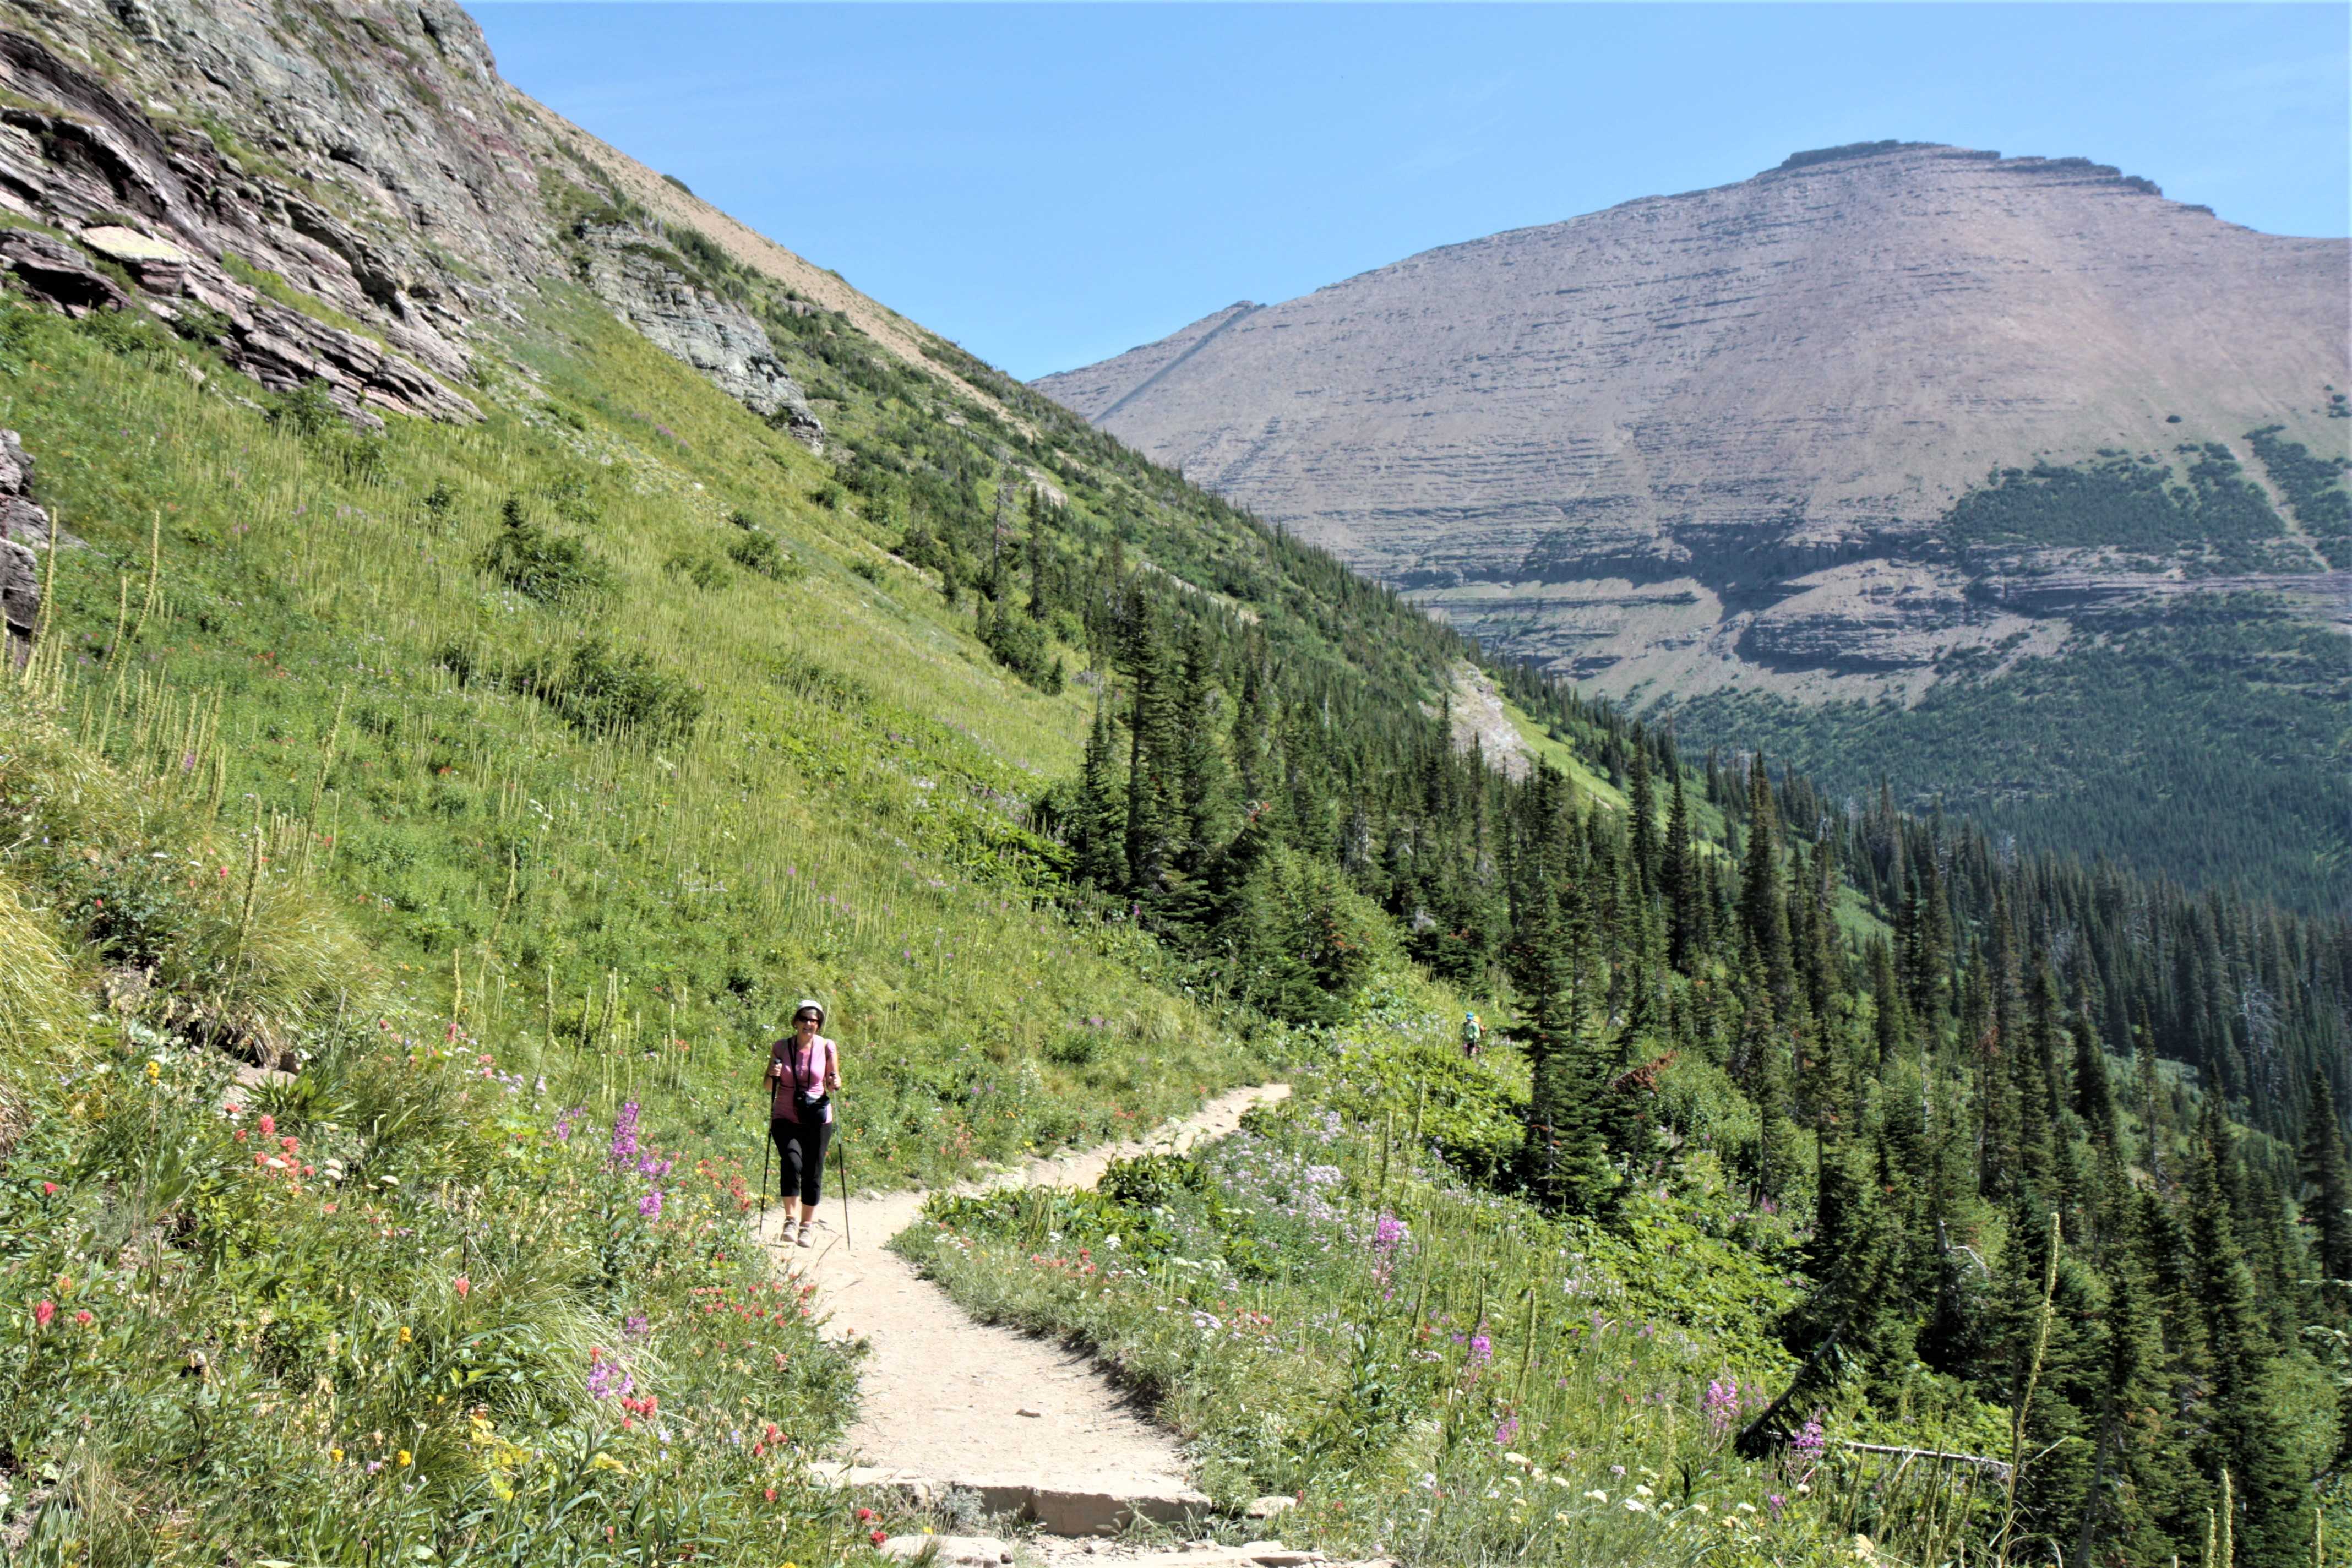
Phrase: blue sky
[1051,184]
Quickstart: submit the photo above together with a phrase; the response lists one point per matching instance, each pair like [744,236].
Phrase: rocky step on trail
[1036,1430]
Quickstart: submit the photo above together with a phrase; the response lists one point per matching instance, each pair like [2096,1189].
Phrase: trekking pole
[841,1167]
[766,1146]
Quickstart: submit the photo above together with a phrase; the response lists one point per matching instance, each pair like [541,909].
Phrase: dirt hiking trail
[1033,1428]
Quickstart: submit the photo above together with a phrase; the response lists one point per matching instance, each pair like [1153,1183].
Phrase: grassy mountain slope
[503,778]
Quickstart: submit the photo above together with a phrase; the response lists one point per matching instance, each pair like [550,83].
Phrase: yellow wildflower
[404,1459]
[405,1335]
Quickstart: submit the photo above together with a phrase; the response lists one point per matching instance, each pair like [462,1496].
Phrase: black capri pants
[800,1156]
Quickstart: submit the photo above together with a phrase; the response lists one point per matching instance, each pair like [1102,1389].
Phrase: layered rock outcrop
[1716,437]
[632,271]
[24,535]
[343,194]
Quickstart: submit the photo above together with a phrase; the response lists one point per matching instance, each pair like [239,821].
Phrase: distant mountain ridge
[1708,440]
[2005,480]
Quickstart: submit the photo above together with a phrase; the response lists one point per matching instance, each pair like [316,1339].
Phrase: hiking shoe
[805,1240]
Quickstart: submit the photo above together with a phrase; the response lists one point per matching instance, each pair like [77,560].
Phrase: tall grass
[409,1305]
[1328,1309]
[326,669]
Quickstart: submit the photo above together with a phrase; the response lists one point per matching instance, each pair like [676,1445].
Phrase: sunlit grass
[623,911]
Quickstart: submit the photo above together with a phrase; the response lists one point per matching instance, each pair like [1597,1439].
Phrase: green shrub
[1075,1048]
[699,570]
[1019,643]
[755,550]
[1304,942]
[1466,1113]
[819,684]
[439,505]
[307,410]
[601,692]
[132,334]
[548,567]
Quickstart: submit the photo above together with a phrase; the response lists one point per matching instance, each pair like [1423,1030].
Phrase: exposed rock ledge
[93,164]
[629,269]
[24,533]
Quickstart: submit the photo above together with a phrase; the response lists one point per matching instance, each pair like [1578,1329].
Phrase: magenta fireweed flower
[1482,1350]
[1810,1440]
[650,1204]
[1507,1433]
[625,1135]
[1722,1403]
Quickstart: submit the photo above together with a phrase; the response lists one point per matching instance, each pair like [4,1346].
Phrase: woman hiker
[803,1069]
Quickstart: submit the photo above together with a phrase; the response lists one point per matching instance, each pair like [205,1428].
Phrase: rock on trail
[944,1398]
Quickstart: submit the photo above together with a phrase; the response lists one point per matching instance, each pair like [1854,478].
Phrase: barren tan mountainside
[1715,439]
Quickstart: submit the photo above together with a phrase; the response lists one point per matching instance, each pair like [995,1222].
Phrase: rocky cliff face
[24,534]
[338,193]
[1719,439]
[655,291]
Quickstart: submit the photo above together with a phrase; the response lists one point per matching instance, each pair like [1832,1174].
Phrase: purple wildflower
[650,1204]
[1722,1403]
[1810,1440]
[609,1380]
[625,1135]
[1507,1433]
[1776,1502]
[1482,1350]
[635,1327]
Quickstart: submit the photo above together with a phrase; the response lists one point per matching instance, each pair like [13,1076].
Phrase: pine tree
[2243,1437]
[1642,811]
[1039,556]
[1892,1012]
[1763,912]
[1204,782]
[1151,783]
[2327,1178]
[1098,835]
[1565,1158]
[1682,888]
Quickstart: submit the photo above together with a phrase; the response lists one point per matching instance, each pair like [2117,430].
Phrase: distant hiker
[1471,1034]
[803,1069]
